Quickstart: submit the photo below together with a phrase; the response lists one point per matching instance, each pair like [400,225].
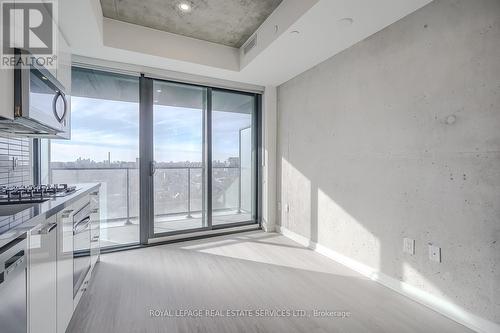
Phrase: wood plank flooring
[248,274]
[123,231]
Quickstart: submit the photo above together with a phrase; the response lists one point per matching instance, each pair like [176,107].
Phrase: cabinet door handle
[47,229]
[51,227]
[78,227]
[67,213]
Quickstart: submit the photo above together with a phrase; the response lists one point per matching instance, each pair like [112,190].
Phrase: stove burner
[17,194]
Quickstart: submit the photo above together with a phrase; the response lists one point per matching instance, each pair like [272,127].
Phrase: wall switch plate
[409,246]
[434,253]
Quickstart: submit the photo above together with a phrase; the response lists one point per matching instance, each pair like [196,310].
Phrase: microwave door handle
[54,106]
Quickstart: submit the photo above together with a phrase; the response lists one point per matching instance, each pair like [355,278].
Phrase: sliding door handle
[152,168]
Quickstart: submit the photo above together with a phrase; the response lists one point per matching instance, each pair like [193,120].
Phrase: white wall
[269,124]
[288,12]
[149,41]
[399,136]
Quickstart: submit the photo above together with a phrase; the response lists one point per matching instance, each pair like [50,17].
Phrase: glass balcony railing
[178,196]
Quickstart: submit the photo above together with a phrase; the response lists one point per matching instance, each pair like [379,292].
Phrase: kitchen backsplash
[15,160]
[14,173]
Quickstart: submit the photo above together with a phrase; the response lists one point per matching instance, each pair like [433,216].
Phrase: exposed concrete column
[269,118]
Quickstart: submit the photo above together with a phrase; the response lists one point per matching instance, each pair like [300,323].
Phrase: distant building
[233,161]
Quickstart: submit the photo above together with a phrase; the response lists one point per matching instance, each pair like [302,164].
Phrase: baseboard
[268,227]
[433,302]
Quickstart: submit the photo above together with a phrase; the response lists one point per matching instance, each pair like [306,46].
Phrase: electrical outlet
[409,246]
[434,253]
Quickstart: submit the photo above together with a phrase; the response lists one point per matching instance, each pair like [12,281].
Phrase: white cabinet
[63,69]
[42,278]
[7,93]
[52,70]
[64,269]
[95,233]
[64,64]
[51,267]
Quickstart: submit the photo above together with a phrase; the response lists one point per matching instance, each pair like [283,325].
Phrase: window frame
[145,153]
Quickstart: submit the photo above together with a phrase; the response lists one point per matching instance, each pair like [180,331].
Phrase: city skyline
[82,162]
[178,132]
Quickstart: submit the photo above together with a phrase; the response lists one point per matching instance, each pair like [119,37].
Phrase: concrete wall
[399,136]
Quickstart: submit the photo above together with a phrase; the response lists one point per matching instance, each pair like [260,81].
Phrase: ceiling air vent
[250,44]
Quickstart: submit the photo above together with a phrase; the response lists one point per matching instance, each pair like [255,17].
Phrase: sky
[101,126]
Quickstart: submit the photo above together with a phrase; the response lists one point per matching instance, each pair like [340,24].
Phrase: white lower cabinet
[51,265]
[42,278]
[82,289]
[64,269]
[95,232]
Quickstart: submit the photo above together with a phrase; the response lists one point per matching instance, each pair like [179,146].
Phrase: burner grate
[22,193]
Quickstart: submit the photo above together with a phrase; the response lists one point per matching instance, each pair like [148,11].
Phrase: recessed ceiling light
[159,90]
[295,32]
[346,21]
[185,7]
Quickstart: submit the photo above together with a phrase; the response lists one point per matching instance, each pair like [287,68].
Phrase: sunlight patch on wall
[342,232]
[296,200]
[415,278]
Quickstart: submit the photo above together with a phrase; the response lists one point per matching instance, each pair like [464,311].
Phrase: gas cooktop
[33,193]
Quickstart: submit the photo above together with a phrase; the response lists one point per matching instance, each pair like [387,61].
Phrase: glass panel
[104,148]
[179,181]
[233,158]
[44,161]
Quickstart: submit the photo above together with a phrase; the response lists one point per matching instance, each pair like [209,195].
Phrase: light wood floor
[119,232]
[250,271]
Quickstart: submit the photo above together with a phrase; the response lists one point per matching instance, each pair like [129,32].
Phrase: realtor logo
[30,26]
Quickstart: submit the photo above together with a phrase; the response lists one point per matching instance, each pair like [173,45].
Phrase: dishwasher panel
[13,287]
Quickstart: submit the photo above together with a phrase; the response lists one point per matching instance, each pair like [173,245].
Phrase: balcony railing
[178,190]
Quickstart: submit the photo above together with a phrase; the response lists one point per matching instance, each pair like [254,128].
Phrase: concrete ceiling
[298,35]
[226,22]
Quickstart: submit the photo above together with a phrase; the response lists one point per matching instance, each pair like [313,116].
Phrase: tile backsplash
[15,160]
[14,172]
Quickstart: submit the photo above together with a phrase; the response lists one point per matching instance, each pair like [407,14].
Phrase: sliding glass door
[179,181]
[202,170]
[104,148]
[172,158]
[233,158]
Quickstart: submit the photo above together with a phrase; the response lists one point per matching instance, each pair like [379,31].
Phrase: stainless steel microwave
[41,106]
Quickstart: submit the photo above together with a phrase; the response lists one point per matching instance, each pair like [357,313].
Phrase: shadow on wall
[365,237]
[388,139]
